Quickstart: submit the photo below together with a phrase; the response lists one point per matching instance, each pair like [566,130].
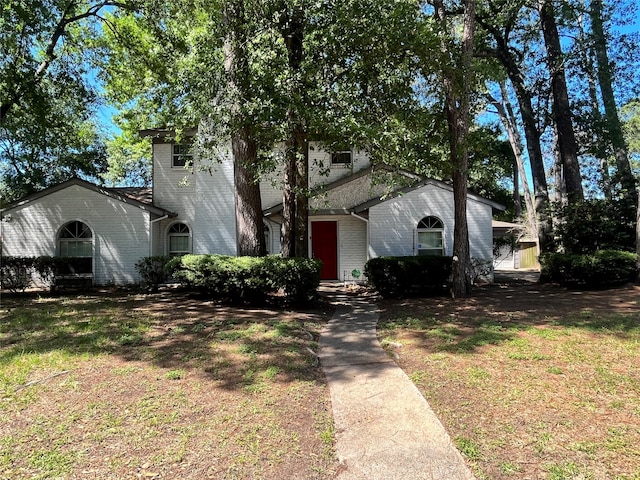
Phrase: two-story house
[353,216]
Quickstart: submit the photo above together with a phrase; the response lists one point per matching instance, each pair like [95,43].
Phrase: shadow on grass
[495,314]
[236,347]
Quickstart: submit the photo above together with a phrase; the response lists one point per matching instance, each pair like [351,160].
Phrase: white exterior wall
[202,199]
[120,231]
[174,188]
[320,162]
[214,227]
[393,224]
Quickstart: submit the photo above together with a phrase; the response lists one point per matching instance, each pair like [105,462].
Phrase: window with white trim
[179,239]
[341,159]
[75,240]
[182,155]
[430,236]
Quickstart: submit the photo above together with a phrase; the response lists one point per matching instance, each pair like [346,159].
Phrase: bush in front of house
[156,270]
[395,277]
[15,273]
[249,279]
[604,268]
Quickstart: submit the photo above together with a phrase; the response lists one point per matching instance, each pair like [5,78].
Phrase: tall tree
[614,127]
[457,79]
[47,104]
[308,70]
[567,145]
[501,20]
[507,117]
[294,235]
[248,203]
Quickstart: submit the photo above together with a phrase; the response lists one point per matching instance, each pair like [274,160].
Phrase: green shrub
[156,270]
[595,224]
[603,268]
[396,277]
[249,278]
[15,273]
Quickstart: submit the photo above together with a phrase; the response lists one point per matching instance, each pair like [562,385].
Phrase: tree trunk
[295,235]
[532,136]
[302,195]
[638,239]
[507,57]
[458,112]
[248,203]
[600,149]
[288,229]
[567,144]
[605,79]
[517,200]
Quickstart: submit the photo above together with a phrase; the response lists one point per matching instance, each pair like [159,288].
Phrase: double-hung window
[182,155]
[430,236]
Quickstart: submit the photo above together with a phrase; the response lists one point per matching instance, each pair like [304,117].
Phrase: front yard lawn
[116,385]
[531,382]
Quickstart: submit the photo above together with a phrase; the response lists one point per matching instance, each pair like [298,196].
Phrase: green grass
[551,395]
[94,384]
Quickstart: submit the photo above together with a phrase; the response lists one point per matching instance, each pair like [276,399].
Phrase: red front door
[324,246]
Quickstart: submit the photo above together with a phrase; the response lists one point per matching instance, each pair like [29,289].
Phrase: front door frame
[337,252]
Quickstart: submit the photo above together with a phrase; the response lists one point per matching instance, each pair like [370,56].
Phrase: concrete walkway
[385,429]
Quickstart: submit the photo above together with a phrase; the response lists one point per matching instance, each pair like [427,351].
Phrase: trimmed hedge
[248,278]
[604,268]
[395,277]
[16,272]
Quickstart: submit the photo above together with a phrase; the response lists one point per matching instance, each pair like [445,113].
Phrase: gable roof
[423,183]
[138,197]
[357,193]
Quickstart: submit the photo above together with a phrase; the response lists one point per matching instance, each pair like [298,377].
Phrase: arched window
[430,236]
[75,240]
[179,239]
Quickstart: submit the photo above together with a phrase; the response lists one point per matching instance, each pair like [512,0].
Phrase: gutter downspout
[151,232]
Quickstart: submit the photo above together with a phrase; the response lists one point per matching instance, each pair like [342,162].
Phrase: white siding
[214,225]
[352,246]
[120,231]
[174,189]
[202,199]
[322,172]
[393,223]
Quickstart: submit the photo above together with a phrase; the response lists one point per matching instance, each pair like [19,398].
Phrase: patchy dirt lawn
[114,386]
[531,381]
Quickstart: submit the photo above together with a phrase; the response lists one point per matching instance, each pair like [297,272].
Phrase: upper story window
[341,159]
[179,239]
[182,155]
[430,236]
